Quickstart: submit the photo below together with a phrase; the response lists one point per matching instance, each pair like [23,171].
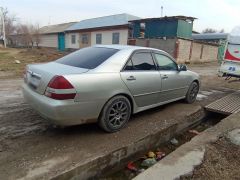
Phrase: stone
[234,136]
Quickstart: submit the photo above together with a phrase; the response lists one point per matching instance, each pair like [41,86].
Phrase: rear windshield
[88,58]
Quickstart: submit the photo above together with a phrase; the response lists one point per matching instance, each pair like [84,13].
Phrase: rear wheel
[115,114]
[192,93]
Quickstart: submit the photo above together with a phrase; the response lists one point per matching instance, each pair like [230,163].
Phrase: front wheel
[115,114]
[192,93]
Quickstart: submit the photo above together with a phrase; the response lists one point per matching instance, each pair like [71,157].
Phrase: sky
[216,14]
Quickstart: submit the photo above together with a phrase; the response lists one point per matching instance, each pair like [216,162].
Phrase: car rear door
[142,78]
[174,82]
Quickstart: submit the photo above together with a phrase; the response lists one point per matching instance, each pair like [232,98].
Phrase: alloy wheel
[118,114]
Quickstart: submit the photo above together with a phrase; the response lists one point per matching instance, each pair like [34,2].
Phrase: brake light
[60,88]
[59,82]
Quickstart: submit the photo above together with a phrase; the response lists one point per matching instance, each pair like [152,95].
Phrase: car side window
[165,63]
[141,61]
[129,66]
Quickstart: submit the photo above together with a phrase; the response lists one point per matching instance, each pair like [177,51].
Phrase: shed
[168,26]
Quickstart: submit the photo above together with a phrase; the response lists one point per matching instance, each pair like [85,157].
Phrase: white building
[54,35]
[114,29]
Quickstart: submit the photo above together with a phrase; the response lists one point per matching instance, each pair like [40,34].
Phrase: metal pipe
[161,11]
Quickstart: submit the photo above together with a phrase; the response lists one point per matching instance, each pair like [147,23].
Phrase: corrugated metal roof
[113,20]
[55,28]
[210,36]
[166,18]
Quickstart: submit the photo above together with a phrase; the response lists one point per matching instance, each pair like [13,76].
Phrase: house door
[85,40]
[61,41]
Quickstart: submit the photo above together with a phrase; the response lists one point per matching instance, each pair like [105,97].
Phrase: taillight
[60,88]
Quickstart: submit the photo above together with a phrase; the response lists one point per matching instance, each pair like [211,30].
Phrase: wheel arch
[197,81]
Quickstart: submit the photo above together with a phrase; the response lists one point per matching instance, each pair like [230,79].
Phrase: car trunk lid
[39,75]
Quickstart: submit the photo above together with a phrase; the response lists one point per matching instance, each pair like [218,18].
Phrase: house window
[115,38]
[84,38]
[73,39]
[98,38]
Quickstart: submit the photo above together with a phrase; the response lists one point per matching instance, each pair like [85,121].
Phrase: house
[114,29]
[54,35]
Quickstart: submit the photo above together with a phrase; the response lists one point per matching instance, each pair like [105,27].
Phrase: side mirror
[182,67]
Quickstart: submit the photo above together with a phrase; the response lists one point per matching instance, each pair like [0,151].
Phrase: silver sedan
[106,84]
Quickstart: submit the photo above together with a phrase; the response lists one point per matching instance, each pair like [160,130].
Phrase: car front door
[174,82]
[142,78]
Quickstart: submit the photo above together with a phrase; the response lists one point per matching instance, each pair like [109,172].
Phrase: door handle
[131,78]
[164,77]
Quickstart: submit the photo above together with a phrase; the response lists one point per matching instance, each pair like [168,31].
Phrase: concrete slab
[182,161]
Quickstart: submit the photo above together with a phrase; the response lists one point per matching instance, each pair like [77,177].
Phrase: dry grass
[8,66]
[221,161]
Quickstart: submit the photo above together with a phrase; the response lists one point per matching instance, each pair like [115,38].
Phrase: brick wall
[196,52]
[209,53]
[183,50]
[167,45]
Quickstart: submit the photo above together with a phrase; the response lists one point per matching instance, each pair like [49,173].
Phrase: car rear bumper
[62,112]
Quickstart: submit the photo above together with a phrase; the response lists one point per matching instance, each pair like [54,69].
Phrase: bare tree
[24,35]
[19,33]
[36,34]
[209,30]
[10,23]
[222,31]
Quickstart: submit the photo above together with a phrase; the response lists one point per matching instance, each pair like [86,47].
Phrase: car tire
[192,93]
[115,114]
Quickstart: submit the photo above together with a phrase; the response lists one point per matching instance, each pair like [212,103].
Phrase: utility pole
[161,11]
[3,27]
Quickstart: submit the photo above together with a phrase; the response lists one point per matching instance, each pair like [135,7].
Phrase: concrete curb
[182,161]
[114,160]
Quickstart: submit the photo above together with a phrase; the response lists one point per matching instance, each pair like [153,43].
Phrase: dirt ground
[221,161]
[30,147]
[209,78]
[13,61]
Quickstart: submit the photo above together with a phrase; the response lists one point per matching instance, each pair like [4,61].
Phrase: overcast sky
[217,14]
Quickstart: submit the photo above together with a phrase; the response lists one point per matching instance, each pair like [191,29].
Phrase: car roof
[116,62]
[128,47]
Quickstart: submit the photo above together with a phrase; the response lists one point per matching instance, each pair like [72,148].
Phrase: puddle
[201,97]
[204,94]
[135,166]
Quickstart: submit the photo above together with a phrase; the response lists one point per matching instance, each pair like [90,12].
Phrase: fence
[183,50]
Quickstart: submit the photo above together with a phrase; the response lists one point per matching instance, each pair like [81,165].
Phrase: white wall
[107,36]
[49,40]
[68,43]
